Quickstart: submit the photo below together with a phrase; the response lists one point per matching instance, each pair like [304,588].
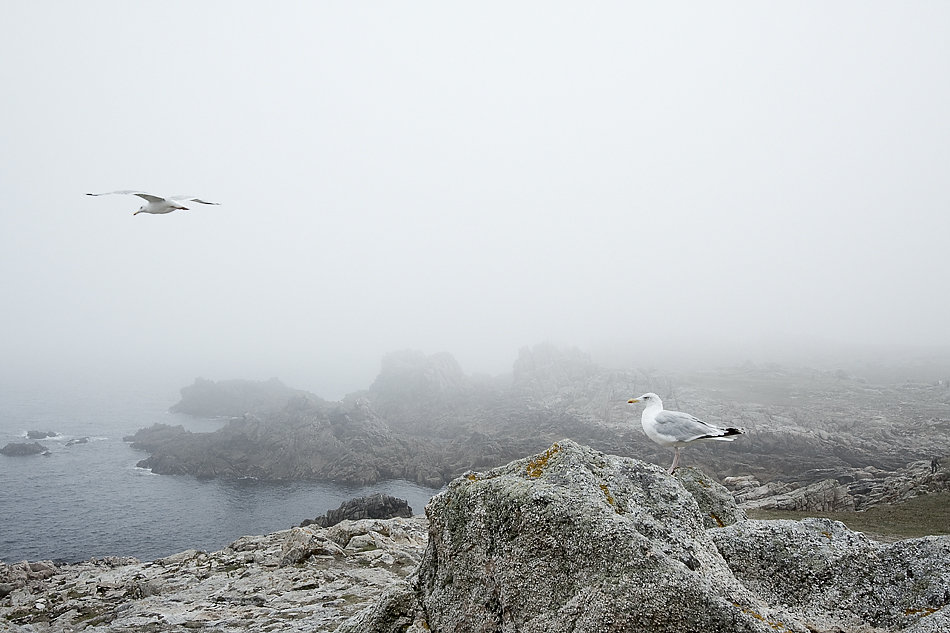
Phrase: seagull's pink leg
[676,459]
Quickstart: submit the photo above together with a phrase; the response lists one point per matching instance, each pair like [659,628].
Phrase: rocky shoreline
[814,440]
[302,579]
[568,539]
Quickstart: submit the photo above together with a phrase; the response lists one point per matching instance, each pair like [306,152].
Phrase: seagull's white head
[141,209]
[647,399]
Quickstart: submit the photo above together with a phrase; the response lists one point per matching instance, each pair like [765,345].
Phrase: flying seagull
[672,428]
[157,204]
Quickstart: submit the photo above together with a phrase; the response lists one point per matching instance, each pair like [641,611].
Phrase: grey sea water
[90,500]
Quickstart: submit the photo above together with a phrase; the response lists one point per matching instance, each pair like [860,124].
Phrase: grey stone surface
[296,580]
[574,540]
[833,577]
[716,503]
[567,540]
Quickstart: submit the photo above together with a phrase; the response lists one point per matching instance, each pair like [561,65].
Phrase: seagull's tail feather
[728,434]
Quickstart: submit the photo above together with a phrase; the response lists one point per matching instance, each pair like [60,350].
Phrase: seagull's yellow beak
[632,401]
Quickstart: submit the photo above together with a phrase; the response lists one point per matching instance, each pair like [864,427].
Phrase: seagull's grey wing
[684,427]
[192,199]
[109,193]
[145,196]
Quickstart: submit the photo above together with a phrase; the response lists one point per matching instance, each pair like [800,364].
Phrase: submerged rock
[41,435]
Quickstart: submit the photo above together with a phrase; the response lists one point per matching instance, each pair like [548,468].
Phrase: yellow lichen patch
[606,491]
[778,626]
[717,520]
[828,534]
[536,467]
[471,476]
[921,612]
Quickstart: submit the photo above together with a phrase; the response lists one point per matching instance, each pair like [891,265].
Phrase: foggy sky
[468,178]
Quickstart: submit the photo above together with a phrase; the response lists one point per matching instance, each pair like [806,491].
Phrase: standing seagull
[157,204]
[672,428]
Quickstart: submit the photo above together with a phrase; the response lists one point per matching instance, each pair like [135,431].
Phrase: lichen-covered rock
[838,579]
[717,505]
[573,540]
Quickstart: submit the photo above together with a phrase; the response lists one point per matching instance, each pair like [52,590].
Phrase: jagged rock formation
[575,540]
[301,579]
[378,506]
[16,449]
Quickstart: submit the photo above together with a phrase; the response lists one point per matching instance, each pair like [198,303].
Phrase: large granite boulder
[570,540]
[575,540]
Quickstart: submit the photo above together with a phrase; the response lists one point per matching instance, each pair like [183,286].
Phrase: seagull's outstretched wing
[192,199]
[141,194]
[152,198]
[109,193]
[686,428]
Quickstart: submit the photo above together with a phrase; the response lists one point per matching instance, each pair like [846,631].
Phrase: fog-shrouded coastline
[829,437]
[90,500]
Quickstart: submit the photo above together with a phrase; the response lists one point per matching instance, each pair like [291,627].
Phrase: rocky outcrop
[40,435]
[425,420]
[575,540]
[233,398]
[378,506]
[306,440]
[301,579]
[836,579]
[17,449]
[850,489]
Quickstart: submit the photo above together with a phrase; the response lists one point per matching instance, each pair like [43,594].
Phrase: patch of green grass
[921,516]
